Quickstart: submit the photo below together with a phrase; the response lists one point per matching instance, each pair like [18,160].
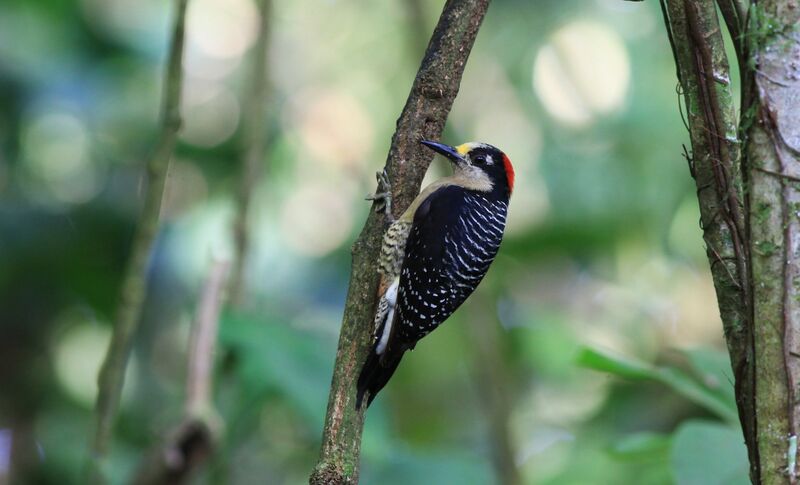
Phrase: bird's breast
[471,245]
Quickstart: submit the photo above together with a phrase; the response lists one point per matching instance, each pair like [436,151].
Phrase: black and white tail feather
[377,371]
[382,360]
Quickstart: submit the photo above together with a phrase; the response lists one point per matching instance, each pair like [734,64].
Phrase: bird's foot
[383,195]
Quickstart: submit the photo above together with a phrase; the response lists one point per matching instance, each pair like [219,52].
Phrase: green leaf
[643,447]
[707,453]
[698,393]
[274,357]
[713,367]
[677,380]
[619,366]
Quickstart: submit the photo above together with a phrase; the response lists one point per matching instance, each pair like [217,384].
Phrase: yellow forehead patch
[465,148]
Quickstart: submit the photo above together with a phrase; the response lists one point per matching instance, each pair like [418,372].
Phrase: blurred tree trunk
[134,282]
[423,117]
[253,149]
[747,170]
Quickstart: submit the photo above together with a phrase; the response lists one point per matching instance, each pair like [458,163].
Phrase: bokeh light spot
[583,71]
[203,232]
[334,126]
[222,28]
[316,219]
[211,114]
[78,357]
[57,161]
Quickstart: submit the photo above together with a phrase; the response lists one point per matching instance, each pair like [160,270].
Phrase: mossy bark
[749,204]
[714,163]
[423,117]
[773,169]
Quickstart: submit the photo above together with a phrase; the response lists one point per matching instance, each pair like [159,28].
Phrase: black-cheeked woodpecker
[436,253]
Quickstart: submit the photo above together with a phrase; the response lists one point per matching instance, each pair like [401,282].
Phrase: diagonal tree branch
[424,115]
[134,282]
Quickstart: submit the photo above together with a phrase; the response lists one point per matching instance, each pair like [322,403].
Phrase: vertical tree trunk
[750,204]
[772,129]
[424,115]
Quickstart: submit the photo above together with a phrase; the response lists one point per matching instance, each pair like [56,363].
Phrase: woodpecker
[433,257]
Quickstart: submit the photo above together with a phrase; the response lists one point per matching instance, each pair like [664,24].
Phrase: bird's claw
[383,195]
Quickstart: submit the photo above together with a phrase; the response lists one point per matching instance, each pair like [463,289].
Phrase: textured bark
[134,282]
[773,166]
[423,117]
[753,241]
[704,76]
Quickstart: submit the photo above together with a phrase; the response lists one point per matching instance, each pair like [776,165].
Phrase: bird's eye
[482,160]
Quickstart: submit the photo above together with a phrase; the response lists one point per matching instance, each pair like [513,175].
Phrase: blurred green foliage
[603,254]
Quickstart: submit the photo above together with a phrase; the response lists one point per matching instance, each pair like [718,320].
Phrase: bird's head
[478,162]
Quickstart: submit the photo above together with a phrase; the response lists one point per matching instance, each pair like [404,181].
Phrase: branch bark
[424,115]
[753,240]
[192,441]
[134,282]
[773,165]
[715,164]
[254,142]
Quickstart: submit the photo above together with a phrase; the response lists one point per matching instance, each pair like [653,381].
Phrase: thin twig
[203,340]
[254,141]
[134,282]
[424,115]
[192,441]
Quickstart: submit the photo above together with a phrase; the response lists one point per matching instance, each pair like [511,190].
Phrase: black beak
[449,152]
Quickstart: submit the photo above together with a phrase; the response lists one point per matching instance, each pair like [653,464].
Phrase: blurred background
[592,352]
